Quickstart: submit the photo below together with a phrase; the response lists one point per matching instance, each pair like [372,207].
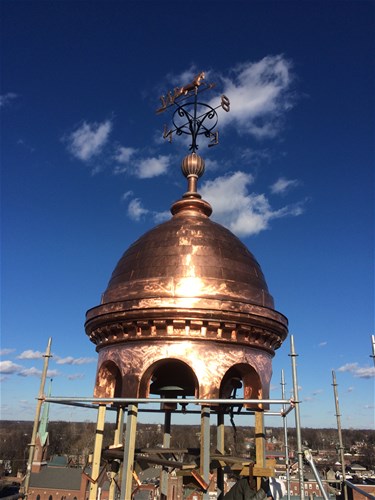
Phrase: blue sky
[85,172]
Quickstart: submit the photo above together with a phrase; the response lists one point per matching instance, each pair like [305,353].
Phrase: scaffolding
[208,407]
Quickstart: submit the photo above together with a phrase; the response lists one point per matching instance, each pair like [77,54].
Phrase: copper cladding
[187,290]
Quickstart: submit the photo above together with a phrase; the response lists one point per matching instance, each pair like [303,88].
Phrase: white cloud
[35,372]
[365,372]
[259,94]
[69,360]
[348,367]
[4,352]
[127,195]
[124,154]
[29,354]
[76,376]
[159,217]
[143,168]
[9,367]
[6,99]
[322,344]
[152,167]
[282,185]
[29,372]
[89,139]
[185,77]
[242,212]
[211,165]
[358,371]
[136,211]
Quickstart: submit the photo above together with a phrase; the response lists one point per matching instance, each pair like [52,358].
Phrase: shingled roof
[57,477]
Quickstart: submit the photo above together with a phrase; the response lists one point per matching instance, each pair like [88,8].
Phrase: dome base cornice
[256,326]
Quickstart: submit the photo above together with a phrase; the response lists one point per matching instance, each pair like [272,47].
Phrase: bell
[172,380]
[167,391]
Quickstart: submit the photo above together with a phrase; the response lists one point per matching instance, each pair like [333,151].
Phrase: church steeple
[42,438]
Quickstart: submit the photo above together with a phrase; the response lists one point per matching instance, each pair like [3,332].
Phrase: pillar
[205,446]
[220,448]
[95,470]
[129,449]
[166,444]
[260,442]
[117,440]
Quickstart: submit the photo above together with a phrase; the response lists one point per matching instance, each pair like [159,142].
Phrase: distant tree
[76,440]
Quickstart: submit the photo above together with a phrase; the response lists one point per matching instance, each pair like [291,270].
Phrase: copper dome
[188,277]
[189,256]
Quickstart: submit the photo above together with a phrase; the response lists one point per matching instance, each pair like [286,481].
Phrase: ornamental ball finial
[192,166]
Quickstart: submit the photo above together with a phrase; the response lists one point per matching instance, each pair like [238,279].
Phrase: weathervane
[192,117]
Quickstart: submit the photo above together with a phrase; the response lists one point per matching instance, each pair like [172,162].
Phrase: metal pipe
[309,458]
[158,410]
[373,348]
[284,414]
[338,419]
[293,355]
[40,401]
[127,401]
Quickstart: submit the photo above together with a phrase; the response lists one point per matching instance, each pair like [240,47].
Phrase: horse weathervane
[192,117]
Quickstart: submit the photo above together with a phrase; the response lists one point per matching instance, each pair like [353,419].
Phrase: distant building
[56,480]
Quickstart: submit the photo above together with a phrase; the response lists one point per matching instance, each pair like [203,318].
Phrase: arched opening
[245,377]
[169,377]
[109,381]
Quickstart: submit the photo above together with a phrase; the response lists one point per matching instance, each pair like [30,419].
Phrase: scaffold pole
[341,446]
[40,401]
[297,417]
[287,464]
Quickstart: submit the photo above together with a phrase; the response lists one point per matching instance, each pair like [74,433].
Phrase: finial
[192,167]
